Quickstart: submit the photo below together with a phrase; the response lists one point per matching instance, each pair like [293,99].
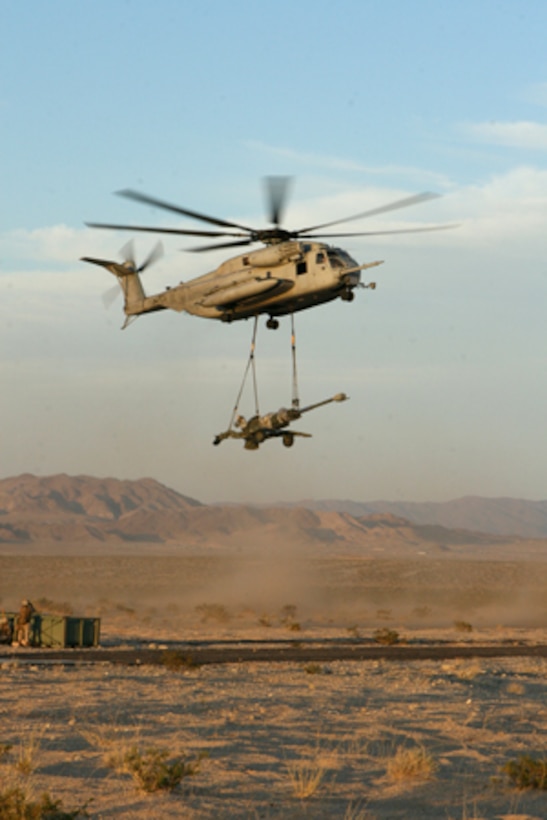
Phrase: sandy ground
[281,740]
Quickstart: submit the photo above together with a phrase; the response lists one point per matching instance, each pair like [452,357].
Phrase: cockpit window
[320,258]
[334,259]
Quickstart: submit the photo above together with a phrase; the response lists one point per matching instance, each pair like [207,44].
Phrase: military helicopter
[293,272]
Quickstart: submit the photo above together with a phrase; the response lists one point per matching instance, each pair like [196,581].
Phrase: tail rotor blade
[110,296]
[128,254]
[153,256]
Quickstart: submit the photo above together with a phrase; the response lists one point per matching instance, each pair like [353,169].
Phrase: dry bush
[15,804]
[155,769]
[293,626]
[386,636]
[26,753]
[462,626]
[410,764]
[306,777]
[527,772]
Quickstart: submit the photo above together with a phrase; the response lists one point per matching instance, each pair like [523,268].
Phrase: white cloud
[526,135]
[333,163]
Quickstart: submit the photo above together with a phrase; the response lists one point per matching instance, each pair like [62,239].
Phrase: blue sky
[363,103]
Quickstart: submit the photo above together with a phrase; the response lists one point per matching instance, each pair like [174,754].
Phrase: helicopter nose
[350,278]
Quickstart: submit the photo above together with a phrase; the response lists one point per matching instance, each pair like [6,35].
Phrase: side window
[302,267]
[320,258]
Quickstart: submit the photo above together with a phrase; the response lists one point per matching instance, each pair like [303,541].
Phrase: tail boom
[136,301]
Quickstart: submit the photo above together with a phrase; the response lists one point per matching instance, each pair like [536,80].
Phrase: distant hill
[81,509]
[499,516]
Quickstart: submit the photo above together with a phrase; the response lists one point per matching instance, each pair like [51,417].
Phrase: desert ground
[350,739]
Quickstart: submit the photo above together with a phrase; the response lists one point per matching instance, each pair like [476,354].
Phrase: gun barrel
[337,397]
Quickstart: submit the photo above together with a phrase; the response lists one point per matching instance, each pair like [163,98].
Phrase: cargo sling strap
[251,366]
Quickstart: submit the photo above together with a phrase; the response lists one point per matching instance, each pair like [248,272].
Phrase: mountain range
[76,509]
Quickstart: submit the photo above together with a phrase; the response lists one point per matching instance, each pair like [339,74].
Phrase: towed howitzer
[272,425]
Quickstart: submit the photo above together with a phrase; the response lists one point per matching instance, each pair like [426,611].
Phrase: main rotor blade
[277,189]
[159,203]
[376,233]
[393,206]
[180,231]
[222,245]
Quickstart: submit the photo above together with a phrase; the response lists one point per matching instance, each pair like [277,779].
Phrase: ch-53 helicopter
[292,272]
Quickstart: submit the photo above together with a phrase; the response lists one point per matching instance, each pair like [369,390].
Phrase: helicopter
[293,271]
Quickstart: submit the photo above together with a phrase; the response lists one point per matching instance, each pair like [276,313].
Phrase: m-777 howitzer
[273,425]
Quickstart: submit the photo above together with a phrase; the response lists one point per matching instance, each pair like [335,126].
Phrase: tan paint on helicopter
[237,289]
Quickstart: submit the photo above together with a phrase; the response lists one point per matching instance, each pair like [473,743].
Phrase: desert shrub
[15,805]
[356,813]
[152,770]
[354,631]
[313,668]
[26,753]
[264,621]
[293,626]
[410,764]
[527,772]
[386,636]
[213,612]
[462,626]
[175,659]
[306,777]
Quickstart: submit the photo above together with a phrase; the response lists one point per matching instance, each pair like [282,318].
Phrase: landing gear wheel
[288,439]
[348,296]
[272,323]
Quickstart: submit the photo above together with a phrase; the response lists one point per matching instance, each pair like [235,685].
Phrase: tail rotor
[128,267]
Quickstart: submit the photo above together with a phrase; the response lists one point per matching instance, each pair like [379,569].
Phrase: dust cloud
[271,589]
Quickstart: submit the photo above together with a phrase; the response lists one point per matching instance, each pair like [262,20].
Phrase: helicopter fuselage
[276,280]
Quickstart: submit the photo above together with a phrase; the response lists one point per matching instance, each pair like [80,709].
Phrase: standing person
[24,619]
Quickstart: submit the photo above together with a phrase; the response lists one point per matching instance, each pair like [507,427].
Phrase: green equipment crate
[63,630]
